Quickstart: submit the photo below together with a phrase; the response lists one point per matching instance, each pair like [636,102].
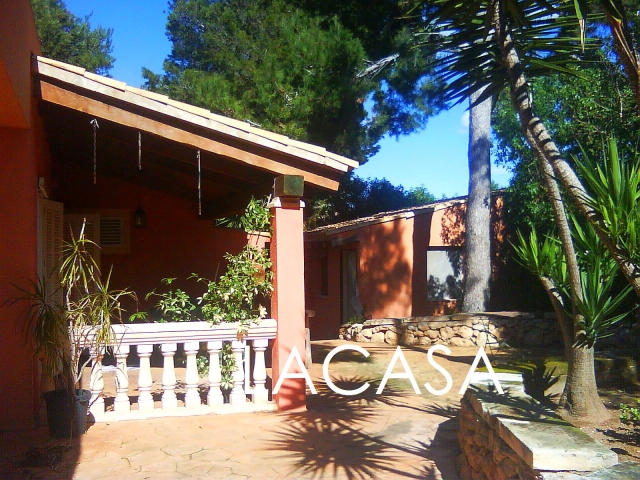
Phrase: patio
[397,434]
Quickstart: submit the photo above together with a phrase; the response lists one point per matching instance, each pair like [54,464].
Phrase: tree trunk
[580,396]
[624,47]
[566,325]
[478,221]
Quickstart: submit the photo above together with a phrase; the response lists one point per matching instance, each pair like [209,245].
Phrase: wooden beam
[60,96]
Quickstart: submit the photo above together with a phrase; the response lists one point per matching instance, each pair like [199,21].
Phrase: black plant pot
[67,414]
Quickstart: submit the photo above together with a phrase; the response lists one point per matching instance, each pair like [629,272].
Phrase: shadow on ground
[341,436]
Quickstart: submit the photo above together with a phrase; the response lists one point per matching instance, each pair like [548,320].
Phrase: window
[109,228]
[444,274]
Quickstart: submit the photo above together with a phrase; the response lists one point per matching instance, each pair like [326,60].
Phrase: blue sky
[435,157]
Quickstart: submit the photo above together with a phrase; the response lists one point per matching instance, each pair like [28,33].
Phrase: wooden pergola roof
[237,160]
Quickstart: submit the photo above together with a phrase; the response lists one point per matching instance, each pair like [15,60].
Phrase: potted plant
[64,321]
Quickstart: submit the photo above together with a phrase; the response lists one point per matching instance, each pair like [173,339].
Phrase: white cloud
[463,127]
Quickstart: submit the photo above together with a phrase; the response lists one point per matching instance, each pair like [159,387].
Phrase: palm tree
[490,45]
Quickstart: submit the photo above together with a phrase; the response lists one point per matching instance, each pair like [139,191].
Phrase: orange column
[287,300]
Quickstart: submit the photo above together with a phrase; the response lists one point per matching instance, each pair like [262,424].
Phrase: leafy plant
[227,366]
[174,305]
[233,297]
[630,415]
[357,318]
[90,305]
[256,217]
[47,322]
[602,304]
[75,315]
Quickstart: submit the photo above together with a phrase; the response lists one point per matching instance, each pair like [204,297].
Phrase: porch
[396,434]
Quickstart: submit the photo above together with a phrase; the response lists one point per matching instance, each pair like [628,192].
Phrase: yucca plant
[90,305]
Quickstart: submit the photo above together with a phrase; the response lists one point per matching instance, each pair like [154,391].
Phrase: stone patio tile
[194,467]
[152,476]
[219,471]
[255,470]
[146,457]
[182,449]
[163,466]
[213,455]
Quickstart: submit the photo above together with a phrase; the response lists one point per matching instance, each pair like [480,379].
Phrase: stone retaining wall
[464,330]
[511,436]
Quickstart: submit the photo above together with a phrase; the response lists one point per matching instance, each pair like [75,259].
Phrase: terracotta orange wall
[386,268]
[392,271]
[22,159]
[175,242]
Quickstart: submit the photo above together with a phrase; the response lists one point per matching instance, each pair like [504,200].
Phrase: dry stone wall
[511,436]
[459,330]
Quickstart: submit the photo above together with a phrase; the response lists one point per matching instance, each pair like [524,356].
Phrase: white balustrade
[260,393]
[122,403]
[145,381]
[169,399]
[190,334]
[215,376]
[237,396]
[96,385]
[191,397]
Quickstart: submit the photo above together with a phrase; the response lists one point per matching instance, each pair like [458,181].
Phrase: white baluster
[96,385]
[238,396]
[215,376]
[191,397]
[122,403]
[260,392]
[169,399]
[145,400]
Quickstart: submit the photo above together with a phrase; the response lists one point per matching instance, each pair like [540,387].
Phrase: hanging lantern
[139,218]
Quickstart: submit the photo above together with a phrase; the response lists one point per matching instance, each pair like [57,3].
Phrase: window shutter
[50,225]
[111,232]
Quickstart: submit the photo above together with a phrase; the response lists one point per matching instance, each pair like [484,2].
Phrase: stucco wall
[175,243]
[22,159]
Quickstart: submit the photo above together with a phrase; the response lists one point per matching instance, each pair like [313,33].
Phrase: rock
[424,341]
[377,337]
[423,326]
[433,334]
[408,339]
[446,333]
[461,342]
[481,341]
[465,332]
[366,333]
[391,337]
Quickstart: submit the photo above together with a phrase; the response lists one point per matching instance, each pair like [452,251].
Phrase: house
[404,263]
[75,145]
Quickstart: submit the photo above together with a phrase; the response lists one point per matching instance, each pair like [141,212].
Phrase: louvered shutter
[50,226]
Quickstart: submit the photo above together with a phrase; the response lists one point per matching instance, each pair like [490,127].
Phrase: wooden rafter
[75,101]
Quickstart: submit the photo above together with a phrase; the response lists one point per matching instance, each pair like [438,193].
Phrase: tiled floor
[397,434]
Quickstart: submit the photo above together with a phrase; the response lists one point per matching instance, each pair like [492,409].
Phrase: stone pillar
[287,301]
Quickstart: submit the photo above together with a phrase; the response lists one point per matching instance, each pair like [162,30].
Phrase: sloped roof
[57,75]
[389,216]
